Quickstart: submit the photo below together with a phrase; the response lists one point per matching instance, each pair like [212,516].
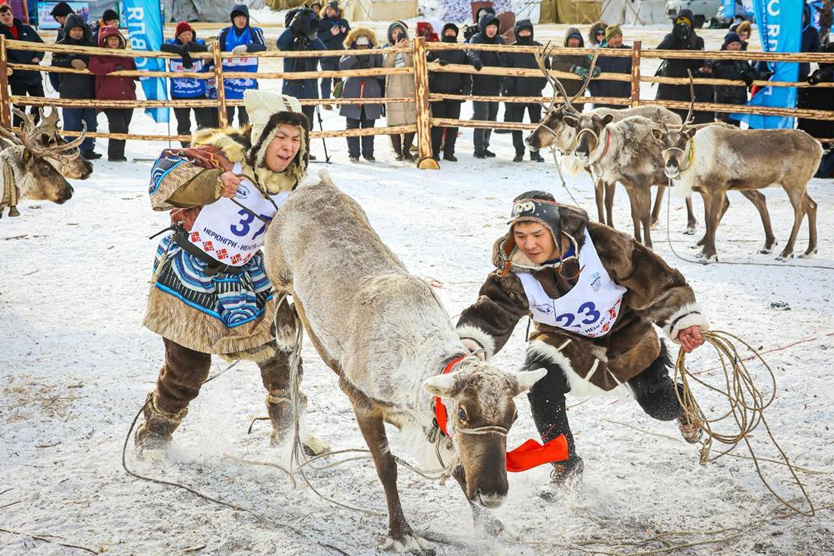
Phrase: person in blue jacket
[301,34]
[333,30]
[185,42]
[240,38]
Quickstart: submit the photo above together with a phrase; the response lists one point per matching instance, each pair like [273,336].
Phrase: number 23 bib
[589,308]
[231,232]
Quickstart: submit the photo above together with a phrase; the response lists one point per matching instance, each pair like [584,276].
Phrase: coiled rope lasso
[746,409]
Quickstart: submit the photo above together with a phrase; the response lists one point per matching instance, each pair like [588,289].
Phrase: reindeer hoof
[808,254]
[689,231]
[783,256]
[409,544]
[708,259]
[654,224]
[765,251]
[315,446]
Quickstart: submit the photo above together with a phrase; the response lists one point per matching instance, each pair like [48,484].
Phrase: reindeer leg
[610,189]
[658,205]
[811,211]
[691,223]
[634,199]
[645,199]
[401,538]
[713,207]
[599,186]
[796,197]
[724,209]
[760,202]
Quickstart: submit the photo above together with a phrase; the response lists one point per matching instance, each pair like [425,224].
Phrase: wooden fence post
[421,98]
[636,55]
[220,86]
[5,109]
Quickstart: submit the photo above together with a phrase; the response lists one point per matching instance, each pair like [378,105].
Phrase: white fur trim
[474,333]
[688,315]
[578,386]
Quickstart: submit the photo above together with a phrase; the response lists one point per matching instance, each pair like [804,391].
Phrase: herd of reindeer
[638,147]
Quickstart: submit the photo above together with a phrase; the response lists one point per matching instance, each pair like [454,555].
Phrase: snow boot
[155,433]
[565,477]
[279,407]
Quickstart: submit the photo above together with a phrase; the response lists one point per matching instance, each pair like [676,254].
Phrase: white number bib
[231,234]
[589,308]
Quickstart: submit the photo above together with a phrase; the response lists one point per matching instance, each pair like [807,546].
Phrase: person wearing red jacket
[112,87]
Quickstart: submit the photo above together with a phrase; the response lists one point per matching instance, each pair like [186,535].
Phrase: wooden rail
[421,71]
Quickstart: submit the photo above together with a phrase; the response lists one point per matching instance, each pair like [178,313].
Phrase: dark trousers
[487,111]
[367,140]
[185,371]
[515,113]
[118,120]
[73,118]
[444,109]
[653,389]
[328,64]
[242,116]
[201,116]
[310,112]
[402,144]
[22,89]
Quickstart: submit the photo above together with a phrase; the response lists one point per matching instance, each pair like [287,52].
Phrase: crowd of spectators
[323,27]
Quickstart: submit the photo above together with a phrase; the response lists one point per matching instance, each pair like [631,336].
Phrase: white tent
[197,10]
[379,10]
[634,12]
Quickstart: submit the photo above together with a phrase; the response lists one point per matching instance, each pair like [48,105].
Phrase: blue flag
[144,23]
[729,8]
[780,30]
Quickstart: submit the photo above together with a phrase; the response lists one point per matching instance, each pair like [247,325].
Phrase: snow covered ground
[76,365]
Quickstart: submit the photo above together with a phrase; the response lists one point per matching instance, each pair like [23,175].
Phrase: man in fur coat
[594,294]
[210,294]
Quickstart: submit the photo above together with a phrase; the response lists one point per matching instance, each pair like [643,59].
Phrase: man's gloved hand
[474,348]
[442,62]
[597,71]
[477,64]
[814,78]
[187,63]
[78,64]
[240,49]
[747,78]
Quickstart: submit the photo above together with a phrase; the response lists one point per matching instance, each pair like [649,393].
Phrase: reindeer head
[552,129]
[589,128]
[67,160]
[479,401]
[675,141]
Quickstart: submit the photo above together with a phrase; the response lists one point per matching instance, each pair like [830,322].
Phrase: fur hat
[267,110]
[611,31]
[540,207]
[182,27]
[356,34]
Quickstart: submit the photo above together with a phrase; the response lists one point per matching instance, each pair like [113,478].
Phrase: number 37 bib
[232,231]
[589,308]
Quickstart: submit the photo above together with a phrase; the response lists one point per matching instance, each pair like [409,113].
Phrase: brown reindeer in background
[70,164]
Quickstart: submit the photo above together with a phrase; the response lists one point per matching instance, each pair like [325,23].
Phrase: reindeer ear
[570,120]
[658,133]
[607,119]
[440,385]
[689,133]
[526,379]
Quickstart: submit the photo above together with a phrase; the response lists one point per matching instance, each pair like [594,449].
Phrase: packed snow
[77,364]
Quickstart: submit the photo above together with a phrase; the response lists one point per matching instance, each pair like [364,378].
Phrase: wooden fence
[421,70]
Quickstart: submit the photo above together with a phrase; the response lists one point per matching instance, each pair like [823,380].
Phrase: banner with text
[144,23]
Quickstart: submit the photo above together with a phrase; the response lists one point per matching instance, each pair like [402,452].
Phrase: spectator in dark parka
[22,83]
[610,64]
[732,69]
[240,39]
[333,30]
[361,115]
[683,37]
[77,86]
[301,34]
[486,85]
[449,84]
[524,87]
[111,87]
[820,99]
[578,64]
[59,13]
[185,42]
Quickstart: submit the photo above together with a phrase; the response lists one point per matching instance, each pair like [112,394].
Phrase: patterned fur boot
[154,434]
[279,406]
[565,477]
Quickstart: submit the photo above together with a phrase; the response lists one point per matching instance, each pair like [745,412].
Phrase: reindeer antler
[587,79]
[558,88]
[49,121]
[691,100]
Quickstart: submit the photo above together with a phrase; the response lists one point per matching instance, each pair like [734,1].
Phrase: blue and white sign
[144,23]
[780,30]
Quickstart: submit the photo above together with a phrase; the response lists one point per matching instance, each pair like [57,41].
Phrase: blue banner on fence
[780,30]
[729,8]
[144,23]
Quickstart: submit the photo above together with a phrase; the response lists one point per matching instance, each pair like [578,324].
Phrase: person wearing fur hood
[595,296]
[210,294]
[361,115]
[597,33]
